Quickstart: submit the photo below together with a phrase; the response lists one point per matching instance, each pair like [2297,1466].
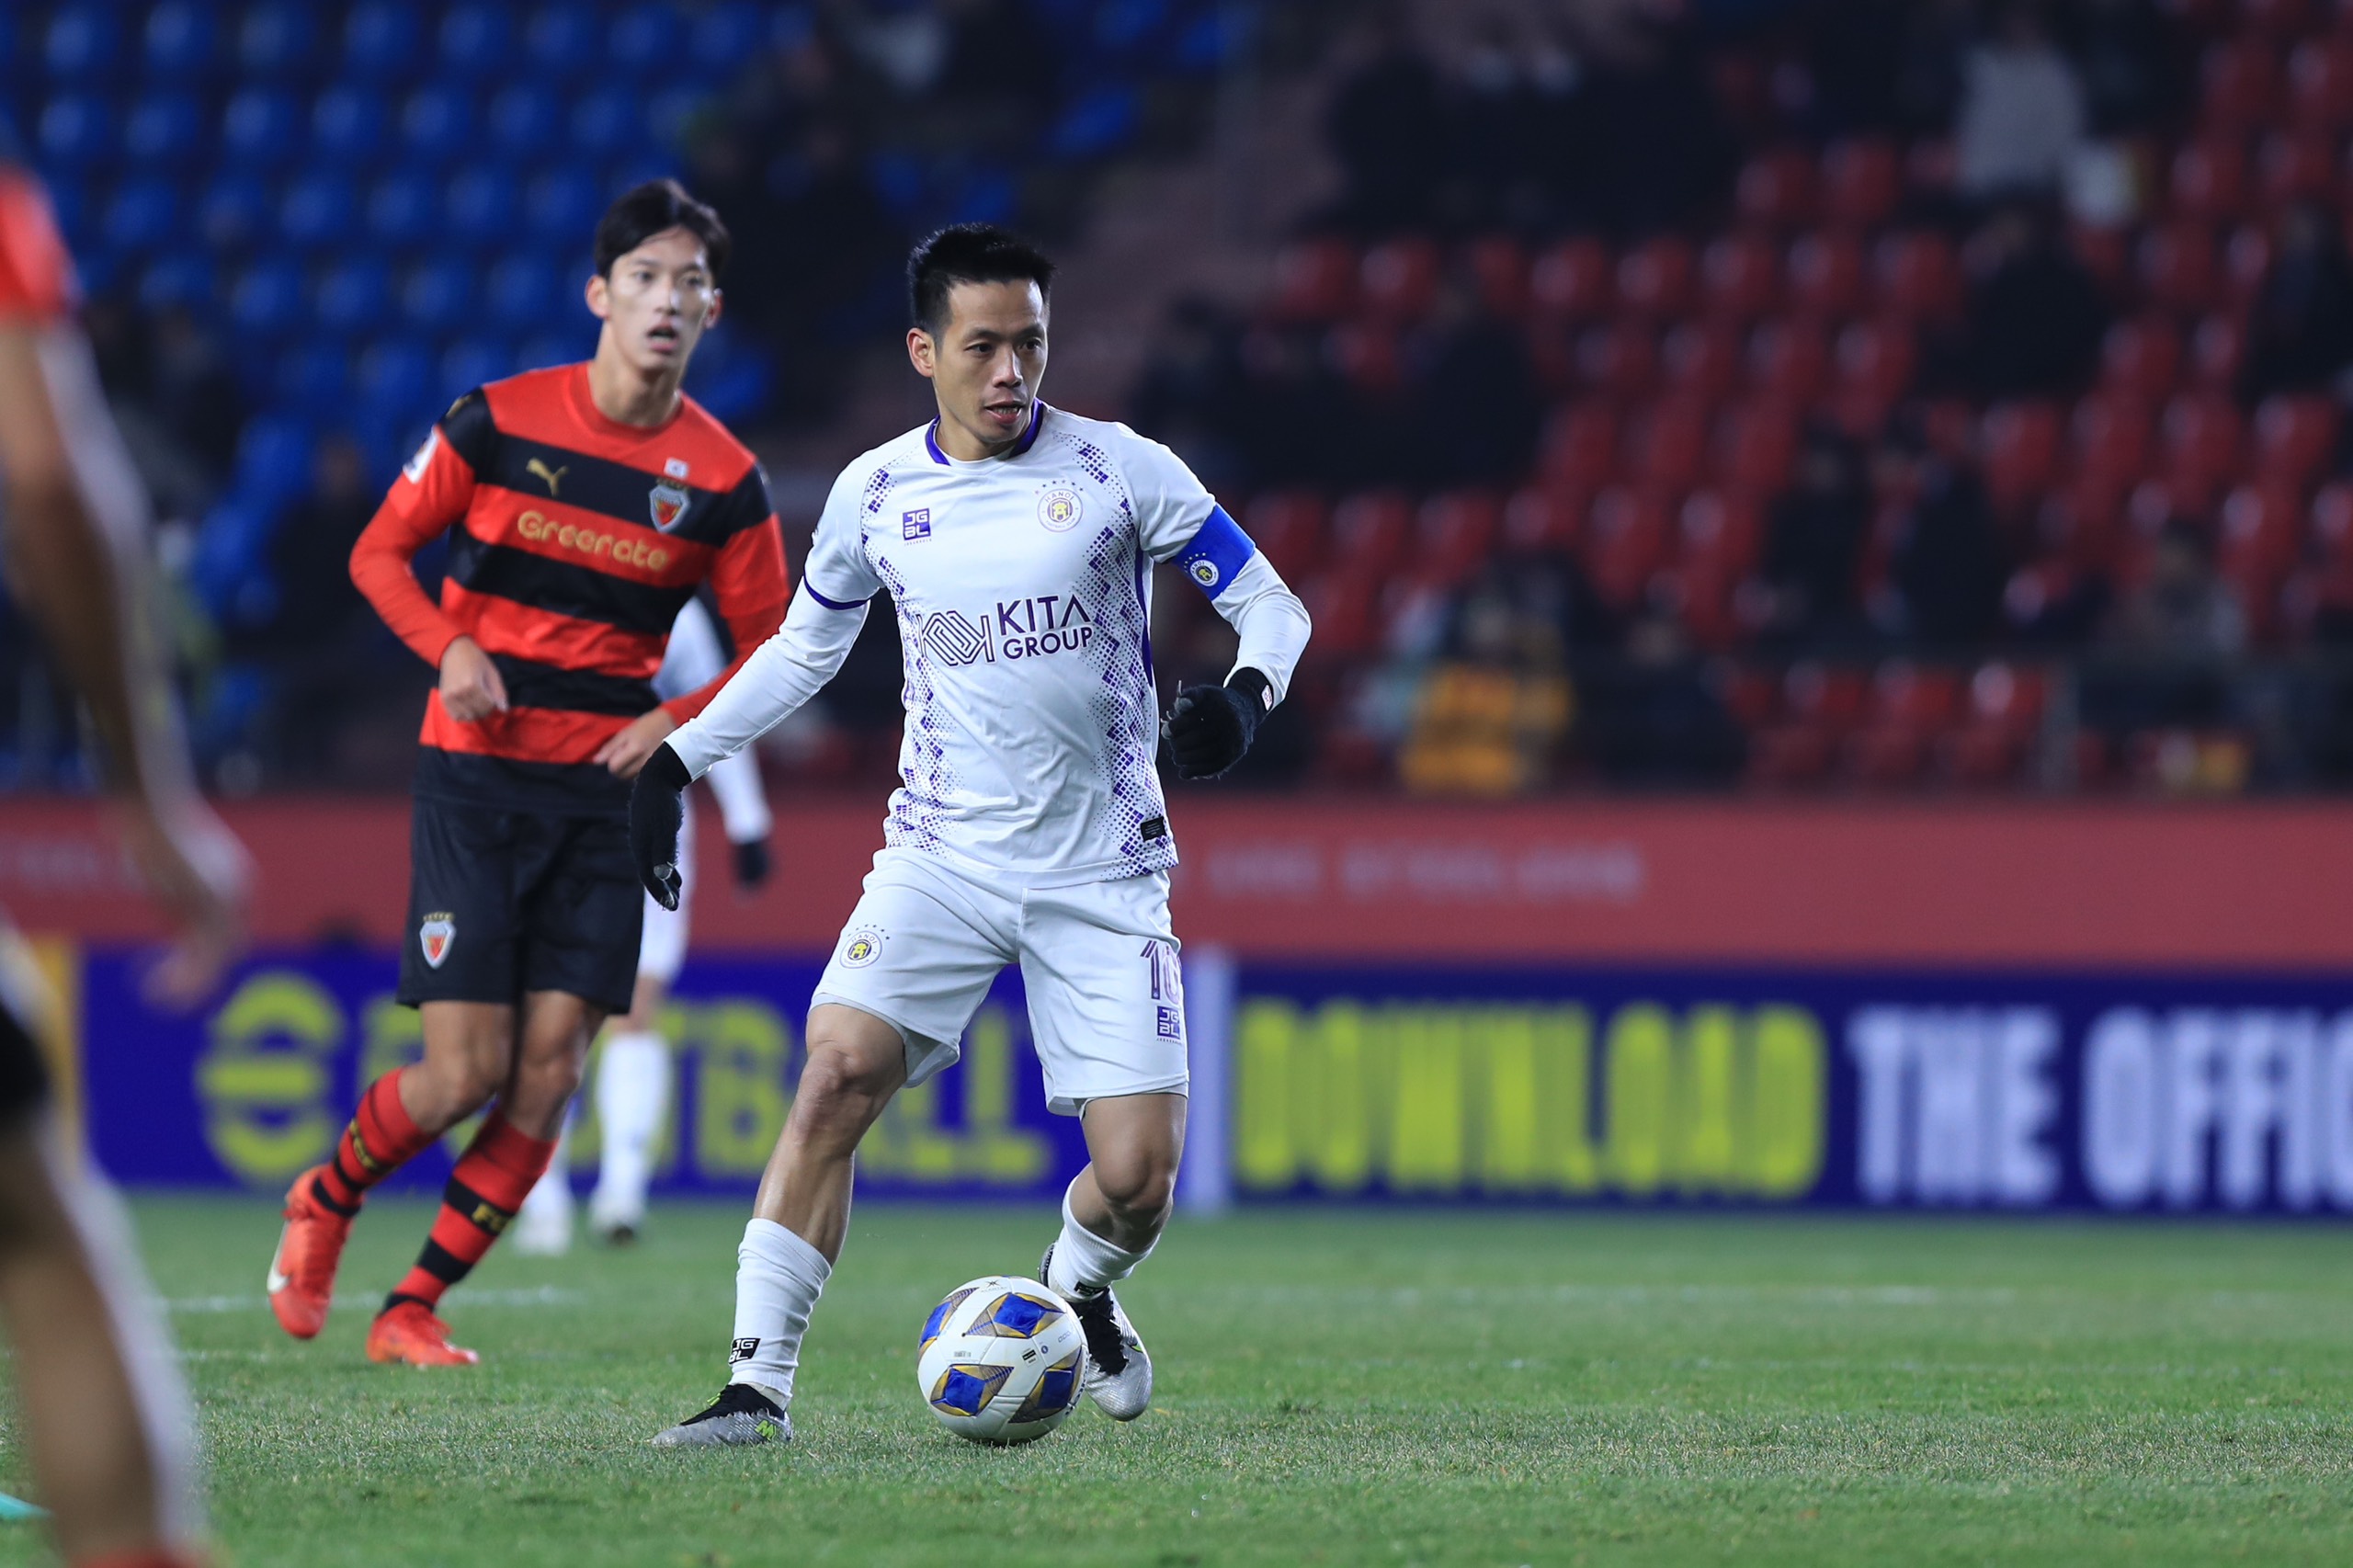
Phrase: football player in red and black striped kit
[586,504]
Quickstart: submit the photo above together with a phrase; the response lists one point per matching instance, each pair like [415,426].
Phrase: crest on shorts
[865,945]
[434,934]
[1059,508]
[667,502]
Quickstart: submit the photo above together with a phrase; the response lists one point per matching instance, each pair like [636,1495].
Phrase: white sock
[1084,1262]
[779,1278]
[632,1101]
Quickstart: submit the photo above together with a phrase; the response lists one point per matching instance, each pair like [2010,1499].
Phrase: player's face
[656,301]
[986,362]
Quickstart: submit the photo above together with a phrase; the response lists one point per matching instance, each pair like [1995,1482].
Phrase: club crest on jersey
[667,502]
[1060,508]
[1204,572]
[865,945]
[434,936]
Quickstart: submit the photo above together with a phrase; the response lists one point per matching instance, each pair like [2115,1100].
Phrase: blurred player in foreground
[1016,542]
[587,503]
[633,1066]
[105,1411]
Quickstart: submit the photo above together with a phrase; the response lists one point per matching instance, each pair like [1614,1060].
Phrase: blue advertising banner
[259,1086]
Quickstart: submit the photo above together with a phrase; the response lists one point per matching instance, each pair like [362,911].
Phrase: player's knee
[840,1087]
[1138,1186]
[441,1092]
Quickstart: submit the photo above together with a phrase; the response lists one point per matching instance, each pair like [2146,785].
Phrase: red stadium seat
[1344,603]
[2178,268]
[1658,278]
[1499,271]
[1619,359]
[1367,353]
[1918,278]
[2204,442]
[1371,532]
[2113,441]
[1757,447]
[2239,84]
[1906,693]
[1625,544]
[2332,525]
[1751,696]
[2105,252]
[2005,708]
[2022,444]
[1702,359]
[2295,439]
[1875,361]
[1776,188]
[2246,261]
[1666,442]
[1454,535]
[1789,754]
[2217,351]
[2208,183]
[1930,165]
[2295,168]
[1580,444]
[1315,280]
[1719,534]
[2081,526]
[1862,179]
[2141,359]
[1288,525]
[1573,281]
[1399,279]
[1542,520]
[1832,695]
[1740,276]
[1827,275]
[2319,83]
[1789,362]
[2279,18]
[2258,539]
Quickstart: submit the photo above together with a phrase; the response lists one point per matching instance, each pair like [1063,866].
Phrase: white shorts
[1098,960]
[661,950]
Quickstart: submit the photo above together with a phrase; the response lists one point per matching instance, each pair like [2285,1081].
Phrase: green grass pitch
[1333,1387]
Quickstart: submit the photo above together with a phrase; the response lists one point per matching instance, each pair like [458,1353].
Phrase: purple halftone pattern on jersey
[919,808]
[1122,703]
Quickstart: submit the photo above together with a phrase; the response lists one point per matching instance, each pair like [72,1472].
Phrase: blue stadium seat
[898,179]
[234,211]
[525,119]
[381,42]
[472,361]
[182,39]
[84,44]
[397,379]
[437,294]
[725,36]
[268,299]
[605,123]
[477,40]
[318,209]
[9,49]
[1126,28]
[984,195]
[261,127]
[314,375]
[668,115]
[524,291]
[1212,38]
[144,214]
[561,40]
[355,296]
[181,278]
[558,347]
[69,197]
[639,39]
[404,208]
[347,123]
[635,169]
[728,379]
[273,458]
[76,130]
[166,131]
[1100,121]
[438,122]
[479,207]
[277,38]
[563,204]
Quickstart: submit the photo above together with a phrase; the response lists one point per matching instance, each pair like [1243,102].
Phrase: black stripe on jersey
[470,433]
[622,492]
[561,588]
[530,684]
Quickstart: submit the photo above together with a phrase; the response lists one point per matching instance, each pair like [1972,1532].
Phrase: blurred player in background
[633,1066]
[105,1410]
[587,504]
[1016,543]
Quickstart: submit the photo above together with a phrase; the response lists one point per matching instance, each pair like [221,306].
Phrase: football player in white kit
[633,1091]
[1016,543]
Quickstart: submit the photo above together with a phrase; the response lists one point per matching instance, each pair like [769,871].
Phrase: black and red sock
[380,1140]
[496,1173]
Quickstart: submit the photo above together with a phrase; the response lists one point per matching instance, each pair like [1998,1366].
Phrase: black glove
[1209,727]
[752,864]
[657,807]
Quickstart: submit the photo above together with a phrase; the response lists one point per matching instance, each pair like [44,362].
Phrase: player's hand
[195,868]
[470,687]
[628,751]
[1209,727]
[752,863]
[657,807]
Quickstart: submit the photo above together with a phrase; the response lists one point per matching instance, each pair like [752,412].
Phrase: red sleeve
[752,588]
[430,495]
[36,275]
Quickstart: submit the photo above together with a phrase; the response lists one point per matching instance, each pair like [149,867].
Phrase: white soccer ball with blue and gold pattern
[1001,1360]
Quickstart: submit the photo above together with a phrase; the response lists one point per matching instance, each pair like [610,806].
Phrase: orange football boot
[302,1273]
[409,1332]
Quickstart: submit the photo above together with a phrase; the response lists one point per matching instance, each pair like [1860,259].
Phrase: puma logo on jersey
[538,470]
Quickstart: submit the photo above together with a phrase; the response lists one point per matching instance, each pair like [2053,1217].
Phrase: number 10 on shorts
[1167,988]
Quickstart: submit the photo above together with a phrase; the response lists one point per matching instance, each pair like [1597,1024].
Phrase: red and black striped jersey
[577,541]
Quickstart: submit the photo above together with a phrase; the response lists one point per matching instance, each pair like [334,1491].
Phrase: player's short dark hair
[655,208]
[970,253]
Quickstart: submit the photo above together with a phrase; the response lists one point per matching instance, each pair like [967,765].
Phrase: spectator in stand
[2184,610]
[2022,112]
[1490,716]
[1663,148]
[1480,408]
[193,390]
[2128,58]
[2300,332]
[1298,424]
[1947,570]
[1191,389]
[1855,56]
[1387,127]
[2035,315]
[323,635]
[1655,720]
[1813,545]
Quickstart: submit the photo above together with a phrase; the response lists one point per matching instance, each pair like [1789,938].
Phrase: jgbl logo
[1020,629]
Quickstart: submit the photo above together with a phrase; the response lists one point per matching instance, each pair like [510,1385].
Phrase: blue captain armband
[1218,552]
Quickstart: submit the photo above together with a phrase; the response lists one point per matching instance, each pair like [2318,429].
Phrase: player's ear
[718,307]
[922,352]
[599,297]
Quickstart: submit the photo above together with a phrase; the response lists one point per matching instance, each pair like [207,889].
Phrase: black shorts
[501,903]
[24,1080]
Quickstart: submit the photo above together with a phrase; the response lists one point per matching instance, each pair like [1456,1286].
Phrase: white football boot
[742,1416]
[1119,1369]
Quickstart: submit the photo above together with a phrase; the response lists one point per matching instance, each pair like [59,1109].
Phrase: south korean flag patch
[667,502]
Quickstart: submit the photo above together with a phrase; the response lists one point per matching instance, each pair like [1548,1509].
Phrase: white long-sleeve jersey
[1023,587]
[694,659]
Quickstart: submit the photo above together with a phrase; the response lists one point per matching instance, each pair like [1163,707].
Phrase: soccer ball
[1001,1360]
